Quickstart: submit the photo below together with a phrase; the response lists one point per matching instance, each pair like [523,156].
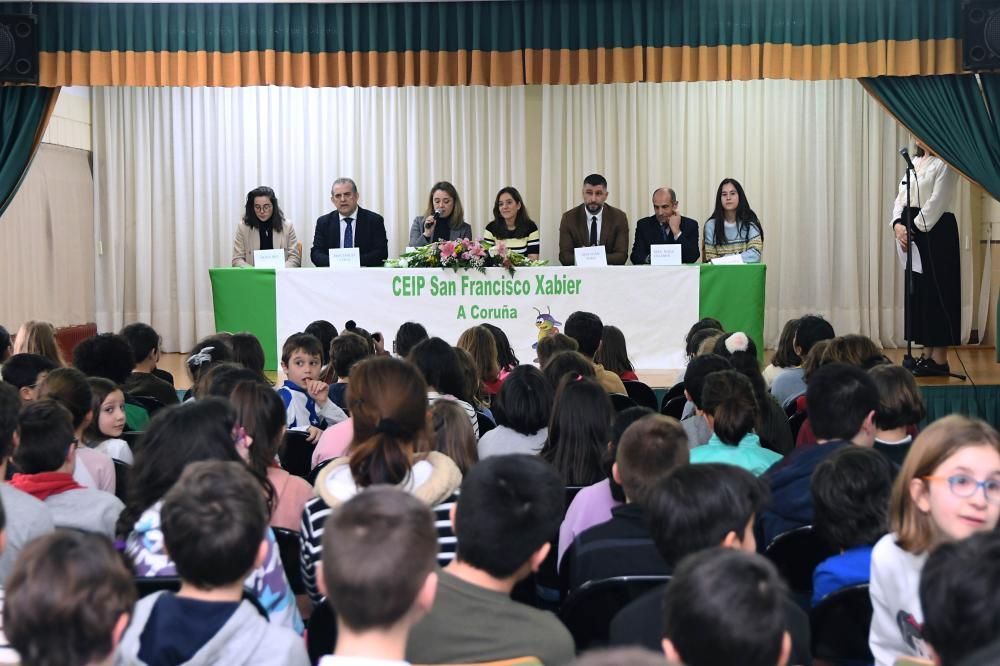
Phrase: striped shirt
[743,239]
[521,240]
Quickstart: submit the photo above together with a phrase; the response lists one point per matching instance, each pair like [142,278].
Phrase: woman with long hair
[733,228]
[443,219]
[264,227]
[512,224]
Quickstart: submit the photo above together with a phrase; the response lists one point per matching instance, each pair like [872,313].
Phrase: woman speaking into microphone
[444,218]
[935,315]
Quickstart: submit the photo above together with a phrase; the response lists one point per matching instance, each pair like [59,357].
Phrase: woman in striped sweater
[733,228]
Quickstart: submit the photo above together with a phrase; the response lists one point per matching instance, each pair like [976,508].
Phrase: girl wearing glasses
[948,489]
[264,227]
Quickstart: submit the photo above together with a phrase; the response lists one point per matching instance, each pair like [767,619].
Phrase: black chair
[641,394]
[675,391]
[839,625]
[621,402]
[674,407]
[321,632]
[147,585]
[290,548]
[121,479]
[147,402]
[588,611]
[296,453]
[314,472]
[796,553]
[795,422]
[131,438]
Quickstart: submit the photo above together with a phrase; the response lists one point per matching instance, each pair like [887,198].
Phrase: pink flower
[476,250]
[447,249]
[501,248]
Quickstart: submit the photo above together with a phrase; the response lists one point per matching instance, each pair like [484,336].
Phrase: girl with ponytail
[387,399]
[730,408]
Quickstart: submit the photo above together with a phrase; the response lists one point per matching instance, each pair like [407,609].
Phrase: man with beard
[594,223]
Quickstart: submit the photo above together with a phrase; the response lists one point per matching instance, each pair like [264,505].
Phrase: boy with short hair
[68,600]
[588,330]
[308,407]
[379,556]
[46,458]
[507,514]
[214,521]
[26,372]
[146,379]
[726,607]
[346,350]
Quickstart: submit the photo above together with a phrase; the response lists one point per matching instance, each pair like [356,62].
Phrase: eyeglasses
[262,209]
[963,485]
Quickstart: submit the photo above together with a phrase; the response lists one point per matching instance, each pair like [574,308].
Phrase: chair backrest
[321,632]
[571,492]
[796,553]
[795,422]
[621,402]
[121,479]
[290,548]
[314,472]
[296,453]
[839,625]
[641,394]
[589,609]
[147,402]
[675,391]
[674,407]
[147,585]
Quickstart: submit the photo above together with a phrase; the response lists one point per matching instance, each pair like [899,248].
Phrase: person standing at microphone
[444,218]
[937,290]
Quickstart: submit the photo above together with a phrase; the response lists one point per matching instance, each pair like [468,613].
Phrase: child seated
[214,521]
[850,495]
[45,460]
[379,560]
[68,600]
[308,407]
[900,409]
[26,372]
[105,429]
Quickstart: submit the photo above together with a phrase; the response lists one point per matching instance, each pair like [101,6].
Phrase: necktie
[593,230]
[348,233]
[663,228]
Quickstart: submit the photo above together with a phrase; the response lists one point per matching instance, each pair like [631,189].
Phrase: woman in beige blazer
[264,227]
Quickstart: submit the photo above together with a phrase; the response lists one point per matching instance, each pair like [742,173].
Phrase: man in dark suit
[665,227]
[349,226]
[594,223]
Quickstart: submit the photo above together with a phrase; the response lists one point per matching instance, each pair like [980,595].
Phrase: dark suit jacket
[369,238]
[574,232]
[648,232]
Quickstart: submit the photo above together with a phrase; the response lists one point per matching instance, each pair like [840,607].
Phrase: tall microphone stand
[908,361]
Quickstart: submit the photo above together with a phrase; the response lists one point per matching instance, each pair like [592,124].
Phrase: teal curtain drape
[24,111]
[956,118]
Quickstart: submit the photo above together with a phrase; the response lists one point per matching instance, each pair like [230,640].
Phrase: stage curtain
[952,116]
[24,112]
[172,167]
[490,42]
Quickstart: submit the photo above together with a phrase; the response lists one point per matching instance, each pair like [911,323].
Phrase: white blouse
[934,185]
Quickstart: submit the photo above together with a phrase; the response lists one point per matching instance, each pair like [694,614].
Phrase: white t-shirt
[117,449]
[898,619]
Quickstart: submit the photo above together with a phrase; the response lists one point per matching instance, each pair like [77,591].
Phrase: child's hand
[318,391]
[379,344]
[313,434]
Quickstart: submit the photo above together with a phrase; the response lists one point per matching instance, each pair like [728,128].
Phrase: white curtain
[173,166]
[817,160]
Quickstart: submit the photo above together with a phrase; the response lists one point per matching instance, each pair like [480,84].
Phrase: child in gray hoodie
[214,521]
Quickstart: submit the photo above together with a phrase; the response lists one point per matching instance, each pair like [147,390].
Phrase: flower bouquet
[463,253]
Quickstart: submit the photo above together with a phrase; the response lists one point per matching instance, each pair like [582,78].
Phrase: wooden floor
[980,364]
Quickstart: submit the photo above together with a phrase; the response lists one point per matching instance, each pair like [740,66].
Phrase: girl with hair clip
[613,354]
[202,430]
[260,414]
[772,423]
[733,228]
[948,489]
[444,218]
[104,431]
[578,430]
[38,337]
[208,353]
[392,445]
[729,407]
[264,227]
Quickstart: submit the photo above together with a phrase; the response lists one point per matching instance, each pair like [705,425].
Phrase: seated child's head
[9,407]
[850,496]
[38,337]
[347,349]
[6,344]
[587,329]
[438,363]
[810,330]
[301,358]
[106,355]
[453,433]
[409,335]
[701,506]
[725,607]
[68,600]
[647,451]
[108,403]
[69,387]
[899,401]
[960,597]
[204,355]
[842,400]
[248,352]
[619,424]
[565,363]
[379,555]
[325,332]
[214,521]
[508,513]
[144,341]
[26,372]
[698,369]
[853,349]
[704,324]
[727,399]
[784,355]
[524,403]
[220,381]
[47,439]
[551,345]
[949,486]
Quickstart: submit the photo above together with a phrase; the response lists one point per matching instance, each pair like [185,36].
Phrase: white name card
[269,258]
[665,255]
[590,256]
[345,257]
[728,260]
[408,249]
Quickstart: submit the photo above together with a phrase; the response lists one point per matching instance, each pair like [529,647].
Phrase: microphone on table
[906,156]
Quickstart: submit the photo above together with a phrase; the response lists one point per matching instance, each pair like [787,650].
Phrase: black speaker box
[18,48]
[980,34]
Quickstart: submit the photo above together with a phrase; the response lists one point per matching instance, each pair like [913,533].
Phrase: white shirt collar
[353,214]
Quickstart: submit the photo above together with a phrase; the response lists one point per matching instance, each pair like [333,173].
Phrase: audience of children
[345,351]
[551,345]
[104,431]
[205,355]
[6,345]
[578,431]
[698,368]
[790,384]
[522,409]
[588,329]
[453,435]
[110,356]
[438,364]
[409,335]
[506,358]
[900,409]
[248,352]
[473,391]
[26,372]
[784,354]
[482,347]
[325,332]
[39,337]
[613,354]
[308,407]
[147,379]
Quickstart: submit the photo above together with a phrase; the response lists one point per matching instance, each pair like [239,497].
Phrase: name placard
[345,257]
[590,256]
[269,258]
[665,255]
[728,260]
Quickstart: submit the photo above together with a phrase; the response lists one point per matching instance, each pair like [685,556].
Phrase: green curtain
[24,111]
[952,116]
